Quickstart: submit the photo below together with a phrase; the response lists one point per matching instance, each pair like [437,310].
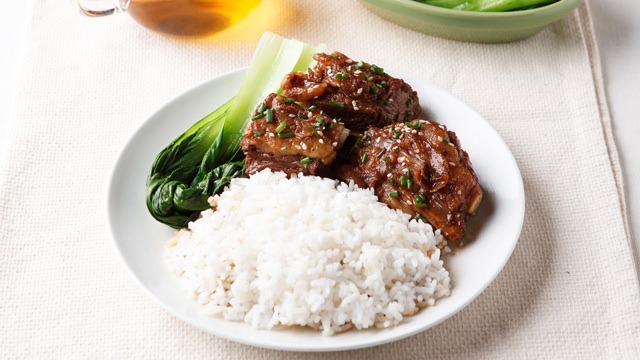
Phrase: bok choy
[204,159]
[488,5]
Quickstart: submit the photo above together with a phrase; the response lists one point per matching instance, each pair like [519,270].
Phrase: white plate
[140,240]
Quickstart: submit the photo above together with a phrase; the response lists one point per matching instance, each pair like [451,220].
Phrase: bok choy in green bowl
[488,21]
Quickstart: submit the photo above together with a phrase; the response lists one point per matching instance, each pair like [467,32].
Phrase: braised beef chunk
[285,136]
[419,168]
[360,94]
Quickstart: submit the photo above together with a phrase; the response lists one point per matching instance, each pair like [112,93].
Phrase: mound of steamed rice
[307,251]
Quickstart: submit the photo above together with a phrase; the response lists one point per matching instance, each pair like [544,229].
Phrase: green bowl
[485,27]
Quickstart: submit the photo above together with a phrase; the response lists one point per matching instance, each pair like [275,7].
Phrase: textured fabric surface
[569,290]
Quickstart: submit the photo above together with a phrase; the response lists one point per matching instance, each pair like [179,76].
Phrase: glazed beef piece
[285,136]
[419,168]
[360,94]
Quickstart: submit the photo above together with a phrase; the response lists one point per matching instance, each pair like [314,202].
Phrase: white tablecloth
[569,290]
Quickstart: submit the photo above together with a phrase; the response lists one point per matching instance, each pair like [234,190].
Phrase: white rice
[307,251]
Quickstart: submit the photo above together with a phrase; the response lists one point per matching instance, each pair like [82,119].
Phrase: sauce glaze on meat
[285,136]
[419,168]
[360,94]
[416,166]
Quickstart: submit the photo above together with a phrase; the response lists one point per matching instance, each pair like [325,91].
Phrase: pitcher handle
[96,8]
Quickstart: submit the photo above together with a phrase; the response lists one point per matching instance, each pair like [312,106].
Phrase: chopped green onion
[383,83]
[256,132]
[316,133]
[336,104]
[257,116]
[287,100]
[364,158]
[330,125]
[444,140]
[319,121]
[392,182]
[420,200]
[281,126]
[269,114]
[374,89]
[284,148]
[382,151]
[376,70]
[262,107]
[409,102]
[394,193]
[335,56]
[420,217]
[409,184]
[403,180]
[285,135]
[306,160]
[360,64]
[341,75]
[417,124]
[387,159]
[311,108]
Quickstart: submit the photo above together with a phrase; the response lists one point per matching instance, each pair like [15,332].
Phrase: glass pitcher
[189,18]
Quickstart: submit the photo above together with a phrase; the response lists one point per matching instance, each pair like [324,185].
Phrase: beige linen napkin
[569,290]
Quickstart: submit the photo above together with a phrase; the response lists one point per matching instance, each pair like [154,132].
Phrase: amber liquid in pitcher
[191,18]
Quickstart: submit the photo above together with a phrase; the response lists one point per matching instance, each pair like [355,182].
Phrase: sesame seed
[439,138]
[309,114]
[359,90]
[398,141]
[451,144]
[292,115]
[459,192]
[358,72]
[414,131]
[315,97]
[452,163]
[401,159]
[321,141]
[421,133]
[304,146]
[297,147]
[334,144]
[441,127]
[355,105]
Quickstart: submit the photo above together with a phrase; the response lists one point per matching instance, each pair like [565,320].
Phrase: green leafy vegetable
[488,5]
[204,159]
